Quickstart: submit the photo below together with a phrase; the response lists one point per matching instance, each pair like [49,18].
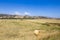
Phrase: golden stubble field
[16,29]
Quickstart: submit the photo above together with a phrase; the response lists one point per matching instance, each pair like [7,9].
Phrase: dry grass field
[16,29]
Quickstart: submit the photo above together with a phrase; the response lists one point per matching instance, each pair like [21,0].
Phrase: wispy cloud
[17,13]
[27,13]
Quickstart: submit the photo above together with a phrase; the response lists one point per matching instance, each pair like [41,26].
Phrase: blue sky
[50,8]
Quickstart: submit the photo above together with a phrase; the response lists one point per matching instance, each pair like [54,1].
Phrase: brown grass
[16,29]
[44,34]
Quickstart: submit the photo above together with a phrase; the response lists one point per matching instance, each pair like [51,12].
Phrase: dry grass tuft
[43,34]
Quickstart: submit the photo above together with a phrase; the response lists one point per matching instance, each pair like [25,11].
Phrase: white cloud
[17,13]
[26,13]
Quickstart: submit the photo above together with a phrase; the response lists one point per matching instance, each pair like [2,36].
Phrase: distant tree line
[7,16]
